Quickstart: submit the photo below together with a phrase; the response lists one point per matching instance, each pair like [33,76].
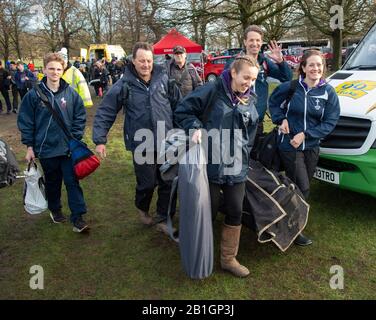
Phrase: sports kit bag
[8,165]
[266,149]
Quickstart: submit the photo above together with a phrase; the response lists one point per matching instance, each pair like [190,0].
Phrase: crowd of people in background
[17,78]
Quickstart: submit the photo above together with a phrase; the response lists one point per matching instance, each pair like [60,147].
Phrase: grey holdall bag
[195,221]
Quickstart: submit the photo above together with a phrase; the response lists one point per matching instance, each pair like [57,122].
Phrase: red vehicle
[214,67]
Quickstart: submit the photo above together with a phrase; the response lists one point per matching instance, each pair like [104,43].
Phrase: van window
[365,53]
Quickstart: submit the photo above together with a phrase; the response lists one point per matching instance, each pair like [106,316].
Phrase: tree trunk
[337,49]
[202,35]
[6,54]
[98,37]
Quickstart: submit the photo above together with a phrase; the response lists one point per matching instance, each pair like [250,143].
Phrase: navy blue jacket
[223,115]
[19,77]
[313,111]
[38,128]
[145,105]
[268,68]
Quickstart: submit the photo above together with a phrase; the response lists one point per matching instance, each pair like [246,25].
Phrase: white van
[348,154]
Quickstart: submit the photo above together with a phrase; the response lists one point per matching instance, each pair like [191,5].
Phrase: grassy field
[121,259]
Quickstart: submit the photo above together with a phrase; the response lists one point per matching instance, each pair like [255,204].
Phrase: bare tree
[63,19]
[5,30]
[95,12]
[283,21]
[130,22]
[327,15]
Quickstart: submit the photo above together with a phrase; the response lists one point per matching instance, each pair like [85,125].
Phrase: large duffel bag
[273,206]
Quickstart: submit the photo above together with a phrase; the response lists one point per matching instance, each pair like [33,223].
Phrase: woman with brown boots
[225,111]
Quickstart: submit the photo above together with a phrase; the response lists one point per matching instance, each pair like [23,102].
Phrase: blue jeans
[55,170]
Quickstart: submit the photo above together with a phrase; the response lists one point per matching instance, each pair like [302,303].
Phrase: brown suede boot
[145,218]
[229,250]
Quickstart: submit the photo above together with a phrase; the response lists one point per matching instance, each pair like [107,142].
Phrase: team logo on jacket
[63,103]
[317,106]
[324,96]
[246,117]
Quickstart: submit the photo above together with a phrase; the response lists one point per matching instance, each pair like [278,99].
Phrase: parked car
[214,67]
[231,52]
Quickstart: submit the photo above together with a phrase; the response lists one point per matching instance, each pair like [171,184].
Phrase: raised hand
[276,51]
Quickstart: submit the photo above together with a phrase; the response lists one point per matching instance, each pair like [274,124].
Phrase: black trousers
[148,177]
[55,171]
[233,199]
[5,93]
[22,92]
[300,167]
[15,97]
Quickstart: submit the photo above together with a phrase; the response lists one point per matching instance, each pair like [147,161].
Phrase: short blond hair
[53,56]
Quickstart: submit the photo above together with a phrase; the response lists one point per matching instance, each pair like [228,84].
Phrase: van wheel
[211,77]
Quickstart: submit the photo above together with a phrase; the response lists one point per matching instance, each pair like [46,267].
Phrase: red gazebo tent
[172,39]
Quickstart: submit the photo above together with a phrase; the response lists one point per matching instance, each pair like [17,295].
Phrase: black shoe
[80,225]
[57,217]
[302,241]
[14,111]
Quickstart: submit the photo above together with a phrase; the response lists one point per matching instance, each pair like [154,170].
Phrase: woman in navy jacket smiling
[311,115]
[232,110]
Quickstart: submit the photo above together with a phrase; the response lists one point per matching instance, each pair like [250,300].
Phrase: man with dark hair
[24,79]
[271,65]
[4,88]
[148,100]
[12,72]
[184,73]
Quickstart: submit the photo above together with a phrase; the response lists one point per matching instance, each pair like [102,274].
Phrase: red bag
[84,160]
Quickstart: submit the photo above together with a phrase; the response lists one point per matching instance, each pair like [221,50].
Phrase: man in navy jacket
[272,65]
[148,101]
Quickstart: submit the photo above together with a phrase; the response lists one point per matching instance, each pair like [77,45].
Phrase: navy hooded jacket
[144,106]
[38,127]
[224,114]
[313,111]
